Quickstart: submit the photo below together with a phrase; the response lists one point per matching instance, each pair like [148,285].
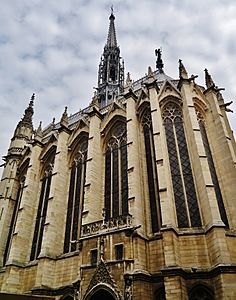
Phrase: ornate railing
[104,226]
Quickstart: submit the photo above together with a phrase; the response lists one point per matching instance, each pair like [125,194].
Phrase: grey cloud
[53,48]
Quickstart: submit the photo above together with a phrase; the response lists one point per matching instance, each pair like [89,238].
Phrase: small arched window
[153,188]
[42,209]
[116,179]
[76,197]
[200,292]
[213,173]
[181,172]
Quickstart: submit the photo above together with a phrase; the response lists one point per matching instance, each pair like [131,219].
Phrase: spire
[182,71]
[208,79]
[111,38]
[29,111]
[159,62]
[111,68]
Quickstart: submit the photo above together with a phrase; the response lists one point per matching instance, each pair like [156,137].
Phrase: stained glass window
[76,197]
[14,219]
[116,179]
[213,173]
[42,212]
[181,172]
[153,188]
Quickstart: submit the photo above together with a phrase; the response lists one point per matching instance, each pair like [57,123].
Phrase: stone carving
[128,295]
[101,226]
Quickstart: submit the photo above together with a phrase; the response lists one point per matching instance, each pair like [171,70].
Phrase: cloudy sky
[52,48]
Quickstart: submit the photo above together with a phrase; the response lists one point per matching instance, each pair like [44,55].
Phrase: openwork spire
[111,38]
[111,68]
[27,118]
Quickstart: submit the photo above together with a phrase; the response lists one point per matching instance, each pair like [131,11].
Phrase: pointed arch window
[200,292]
[212,168]
[14,219]
[41,212]
[76,197]
[153,188]
[116,179]
[181,172]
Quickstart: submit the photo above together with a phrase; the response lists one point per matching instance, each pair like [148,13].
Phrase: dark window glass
[160,294]
[201,293]
[41,213]
[94,257]
[153,188]
[181,173]
[13,220]
[119,249]
[116,178]
[76,197]
[212,168]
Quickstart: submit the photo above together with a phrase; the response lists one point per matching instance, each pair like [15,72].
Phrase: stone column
[161,153]
[224,154]
[93,198]
[54,227]
[136,198]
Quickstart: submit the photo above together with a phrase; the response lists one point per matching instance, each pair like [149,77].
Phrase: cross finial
[112,10]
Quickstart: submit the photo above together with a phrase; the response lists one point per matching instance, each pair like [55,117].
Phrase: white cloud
[53,48]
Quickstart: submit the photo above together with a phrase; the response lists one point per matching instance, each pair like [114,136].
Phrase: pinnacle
[182,71]
[208,79]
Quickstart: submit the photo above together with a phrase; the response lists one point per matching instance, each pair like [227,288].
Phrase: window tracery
[153,188]
[42,211]
[76,197]
[181,172]
[14,218]
[202,126]
[116,179]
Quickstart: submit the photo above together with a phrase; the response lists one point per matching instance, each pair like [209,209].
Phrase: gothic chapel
[132,197]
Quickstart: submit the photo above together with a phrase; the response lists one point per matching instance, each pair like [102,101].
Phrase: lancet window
[154,200]
[76,197]
[116,179]
[212,168]
[201,292]
[42,210]
[14,216]
[186,203]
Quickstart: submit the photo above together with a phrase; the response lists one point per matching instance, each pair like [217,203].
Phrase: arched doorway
[102,295]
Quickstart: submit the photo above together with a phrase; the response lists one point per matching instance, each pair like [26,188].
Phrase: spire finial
[111,38]
[150,72]
[64,118]
[39,133]
[29,111]
[128,80]
[159,62]
[208,79]
[182,71]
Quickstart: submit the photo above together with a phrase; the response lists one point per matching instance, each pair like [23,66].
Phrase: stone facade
[143,213]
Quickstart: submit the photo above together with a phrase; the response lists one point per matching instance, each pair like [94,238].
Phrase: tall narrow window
[13,219]
[214,177]
[116,179]
[154,200]
[76,197]
[181,173]
[41,213]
